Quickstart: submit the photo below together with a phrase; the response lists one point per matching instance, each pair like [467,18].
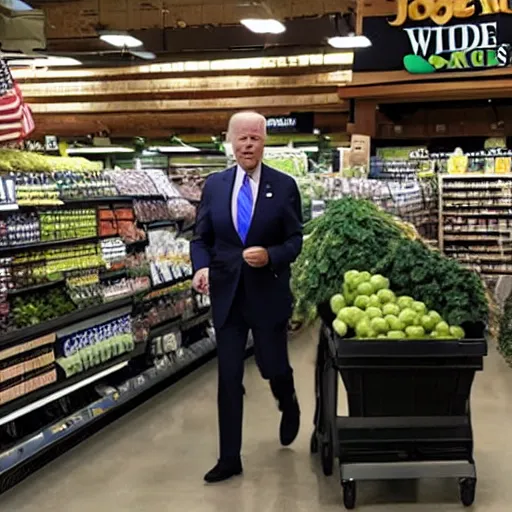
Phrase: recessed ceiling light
[45,62]
[120,40]
[175,149]
[265,26]
[97,150]
[349,42]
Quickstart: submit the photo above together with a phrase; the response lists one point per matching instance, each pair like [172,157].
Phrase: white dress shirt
[254,180]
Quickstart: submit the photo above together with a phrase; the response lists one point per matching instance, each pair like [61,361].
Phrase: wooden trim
[212,84]
[305,101]
[162,69]
[385,77]
[400,93]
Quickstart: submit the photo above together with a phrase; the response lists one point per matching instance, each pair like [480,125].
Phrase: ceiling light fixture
[120,39]
[175,149]
[45,62]
[349,42]
[96,150]
[263,26]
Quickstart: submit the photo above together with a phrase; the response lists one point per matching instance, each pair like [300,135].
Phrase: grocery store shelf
[164,224]
[9,207]
[168,284]
[43,396]
[179,322]
[477,175]
[33,332]
[36,287]
[48,244]
[134,387]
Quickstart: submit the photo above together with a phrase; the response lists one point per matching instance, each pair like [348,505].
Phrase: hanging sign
[431,36]
[294,123]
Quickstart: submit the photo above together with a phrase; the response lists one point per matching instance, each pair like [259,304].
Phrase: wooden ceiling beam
[162,125]
[161,86]
[444,91]
[297,102]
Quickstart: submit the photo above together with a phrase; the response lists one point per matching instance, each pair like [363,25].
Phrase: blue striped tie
[244,211]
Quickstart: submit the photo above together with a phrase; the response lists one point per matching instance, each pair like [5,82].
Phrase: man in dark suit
[248,232]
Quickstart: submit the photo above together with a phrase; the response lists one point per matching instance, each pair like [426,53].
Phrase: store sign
[429,36]
[295,123]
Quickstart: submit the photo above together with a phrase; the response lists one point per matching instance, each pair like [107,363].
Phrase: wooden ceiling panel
[82,18]
[297,102]
[160,86]
[161,125]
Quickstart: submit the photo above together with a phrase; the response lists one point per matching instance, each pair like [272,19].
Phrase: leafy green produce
[355,235]
[37,308]
[441,283]
[352,234]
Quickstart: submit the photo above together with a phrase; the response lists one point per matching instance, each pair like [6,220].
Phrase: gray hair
[246,115]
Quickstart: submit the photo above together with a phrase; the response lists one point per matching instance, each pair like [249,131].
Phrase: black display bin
[408,406]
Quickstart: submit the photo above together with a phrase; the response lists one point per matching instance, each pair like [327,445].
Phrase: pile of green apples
[373,311]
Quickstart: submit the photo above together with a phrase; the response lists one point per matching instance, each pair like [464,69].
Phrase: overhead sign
[429,36]
[294,123]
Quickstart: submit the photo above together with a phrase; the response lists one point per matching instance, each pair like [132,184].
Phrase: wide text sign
[428,36]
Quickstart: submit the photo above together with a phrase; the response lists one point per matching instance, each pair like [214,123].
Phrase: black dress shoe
[290,422]
[223,471]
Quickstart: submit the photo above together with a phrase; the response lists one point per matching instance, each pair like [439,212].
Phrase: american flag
[16,121]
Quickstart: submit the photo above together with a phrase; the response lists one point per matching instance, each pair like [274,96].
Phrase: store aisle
[154,459]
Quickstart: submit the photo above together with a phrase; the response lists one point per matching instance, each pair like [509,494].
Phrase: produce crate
[408,406]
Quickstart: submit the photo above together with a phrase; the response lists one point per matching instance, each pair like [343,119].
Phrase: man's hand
[201,281]
[256,257]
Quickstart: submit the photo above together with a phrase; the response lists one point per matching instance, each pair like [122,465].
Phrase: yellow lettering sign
[442,11]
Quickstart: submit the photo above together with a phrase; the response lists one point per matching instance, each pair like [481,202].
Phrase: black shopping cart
[409,414]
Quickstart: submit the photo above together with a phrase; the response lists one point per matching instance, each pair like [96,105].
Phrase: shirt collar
[256,174]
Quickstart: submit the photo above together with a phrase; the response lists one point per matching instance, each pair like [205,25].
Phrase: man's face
[248,141]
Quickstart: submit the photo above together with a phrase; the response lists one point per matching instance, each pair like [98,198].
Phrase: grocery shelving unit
[475,221]
[37,420]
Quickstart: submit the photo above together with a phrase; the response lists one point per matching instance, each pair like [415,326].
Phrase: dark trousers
[271,353]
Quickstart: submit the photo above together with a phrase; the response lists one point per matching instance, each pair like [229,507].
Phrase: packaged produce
[67,224]
[133,183]
[151,211]
[19,229]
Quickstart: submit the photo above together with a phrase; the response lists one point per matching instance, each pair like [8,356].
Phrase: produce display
[40,307]
[66,224]
[292,162]
[19,229]
[14,160]
[311,188]
[151,211]
[85,289]
[52,188]
[133,183]
[369,309]
[355,234]
[168,256]
[120,221]
[88,348]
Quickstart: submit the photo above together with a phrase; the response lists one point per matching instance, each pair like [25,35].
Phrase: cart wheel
[313,444]
[467,487]
[327,456]
[349,494]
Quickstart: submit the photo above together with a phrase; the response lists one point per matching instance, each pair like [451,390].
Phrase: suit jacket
[276,225]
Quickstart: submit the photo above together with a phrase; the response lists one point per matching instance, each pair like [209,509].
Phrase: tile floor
[154,458]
